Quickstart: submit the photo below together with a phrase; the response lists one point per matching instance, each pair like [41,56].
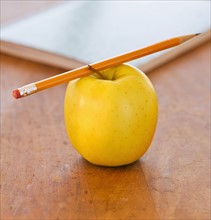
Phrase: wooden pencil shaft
[62,78]
[115,61]
[96,67]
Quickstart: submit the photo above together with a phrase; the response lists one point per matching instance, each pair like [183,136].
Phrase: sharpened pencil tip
[197,34]
[16,94]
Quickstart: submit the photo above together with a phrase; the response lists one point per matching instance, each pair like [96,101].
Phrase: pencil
[105,64]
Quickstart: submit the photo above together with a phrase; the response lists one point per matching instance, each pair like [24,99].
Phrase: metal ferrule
[27,90]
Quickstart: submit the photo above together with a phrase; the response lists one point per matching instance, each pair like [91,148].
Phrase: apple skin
[111,121]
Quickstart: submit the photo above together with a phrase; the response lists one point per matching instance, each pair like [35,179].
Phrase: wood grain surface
[43,177]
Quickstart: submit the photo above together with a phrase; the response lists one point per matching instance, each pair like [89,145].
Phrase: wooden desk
[42,176]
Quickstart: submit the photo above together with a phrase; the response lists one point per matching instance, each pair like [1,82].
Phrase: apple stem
[96,71]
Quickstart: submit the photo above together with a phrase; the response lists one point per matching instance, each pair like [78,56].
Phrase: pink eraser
[16,94]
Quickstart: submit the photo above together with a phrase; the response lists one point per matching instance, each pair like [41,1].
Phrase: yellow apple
[111,120]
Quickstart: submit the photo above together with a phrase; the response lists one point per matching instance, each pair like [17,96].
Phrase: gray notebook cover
[89,31]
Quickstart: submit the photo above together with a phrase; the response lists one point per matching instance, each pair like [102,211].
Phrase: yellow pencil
[88,69]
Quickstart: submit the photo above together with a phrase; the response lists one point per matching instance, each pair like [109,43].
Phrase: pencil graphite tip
[16,94]
[197,34]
